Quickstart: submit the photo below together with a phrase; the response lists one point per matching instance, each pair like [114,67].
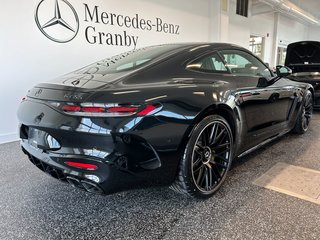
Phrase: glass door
[281,57]
[257,46]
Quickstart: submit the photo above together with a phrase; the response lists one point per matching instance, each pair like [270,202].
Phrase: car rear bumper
[107,178]
[129,152]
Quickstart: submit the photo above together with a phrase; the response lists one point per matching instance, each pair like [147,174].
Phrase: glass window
[241,63]
[242,7]
[282,52]
[212,64]
[257,46]
[130,60]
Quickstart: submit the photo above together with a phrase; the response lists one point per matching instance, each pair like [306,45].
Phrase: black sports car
[163,115]
[304,60]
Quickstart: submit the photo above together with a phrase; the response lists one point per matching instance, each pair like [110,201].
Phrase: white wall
[314,33]
[262,26]
[232,27]
[27,57]
[288,30]
[239,30]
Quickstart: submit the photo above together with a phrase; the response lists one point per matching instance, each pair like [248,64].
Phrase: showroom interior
[34,50]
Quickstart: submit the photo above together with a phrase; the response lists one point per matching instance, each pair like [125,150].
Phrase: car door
[266,107]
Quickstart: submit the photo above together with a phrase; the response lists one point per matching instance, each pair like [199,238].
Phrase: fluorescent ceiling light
[288,7]
[304,15]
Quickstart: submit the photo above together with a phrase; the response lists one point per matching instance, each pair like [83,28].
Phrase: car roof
[211,45]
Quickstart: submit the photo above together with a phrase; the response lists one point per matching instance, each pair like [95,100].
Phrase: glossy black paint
[304,60]
[137,151]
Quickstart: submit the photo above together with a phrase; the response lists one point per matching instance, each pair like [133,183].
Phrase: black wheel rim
[211,156]
[307,112]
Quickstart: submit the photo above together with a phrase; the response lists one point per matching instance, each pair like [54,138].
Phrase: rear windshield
[129,60]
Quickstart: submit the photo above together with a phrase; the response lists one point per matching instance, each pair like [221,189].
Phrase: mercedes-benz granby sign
[63,25]
[59,21]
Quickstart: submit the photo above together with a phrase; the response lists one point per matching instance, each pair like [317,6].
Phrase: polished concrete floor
[35,206]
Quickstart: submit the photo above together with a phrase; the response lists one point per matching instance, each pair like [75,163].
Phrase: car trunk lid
[303,56]
[74,87]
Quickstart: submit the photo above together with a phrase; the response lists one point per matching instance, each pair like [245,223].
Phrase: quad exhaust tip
[85,185]
[91,185]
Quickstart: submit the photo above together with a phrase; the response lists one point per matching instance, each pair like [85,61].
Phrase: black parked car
[164,115]
[304,60]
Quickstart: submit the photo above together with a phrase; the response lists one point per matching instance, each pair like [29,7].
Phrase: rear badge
[38,92]
[73,96]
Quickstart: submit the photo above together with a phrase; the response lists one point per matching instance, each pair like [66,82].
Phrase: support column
[275,40]
[218,20]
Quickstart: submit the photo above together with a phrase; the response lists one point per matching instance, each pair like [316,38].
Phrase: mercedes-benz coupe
[173,115]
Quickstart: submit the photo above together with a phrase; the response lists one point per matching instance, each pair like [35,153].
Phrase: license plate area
[39,139]
[36,138]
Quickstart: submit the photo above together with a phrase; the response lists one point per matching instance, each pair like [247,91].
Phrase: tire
[305,114]
[206,159]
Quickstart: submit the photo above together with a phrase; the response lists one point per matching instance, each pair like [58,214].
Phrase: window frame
[208,54]
[246,52]
[204,56]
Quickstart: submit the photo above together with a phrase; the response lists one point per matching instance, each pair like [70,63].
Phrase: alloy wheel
[211,156]
[307,111]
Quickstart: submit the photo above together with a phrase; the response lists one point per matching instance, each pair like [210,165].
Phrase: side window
[212,63]
[131,64]
[244,64]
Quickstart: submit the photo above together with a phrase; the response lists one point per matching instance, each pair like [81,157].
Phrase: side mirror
[283,71]
[264,82]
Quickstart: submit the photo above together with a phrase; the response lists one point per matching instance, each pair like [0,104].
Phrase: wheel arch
[312,92]
[222,110]
[182,183]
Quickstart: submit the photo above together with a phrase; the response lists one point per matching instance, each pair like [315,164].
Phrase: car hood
[303,56]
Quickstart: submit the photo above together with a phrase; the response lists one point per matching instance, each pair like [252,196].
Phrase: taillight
[122,109]
[109,110]
[147,110]
[93,109]
[84,166]
[71,108]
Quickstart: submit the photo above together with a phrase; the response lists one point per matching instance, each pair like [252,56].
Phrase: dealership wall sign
[99,26]
[56,27]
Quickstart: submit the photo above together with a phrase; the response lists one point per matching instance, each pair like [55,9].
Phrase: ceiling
[308,7]
[311,6]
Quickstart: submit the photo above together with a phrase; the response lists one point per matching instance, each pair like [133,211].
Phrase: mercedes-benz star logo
[64,25]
